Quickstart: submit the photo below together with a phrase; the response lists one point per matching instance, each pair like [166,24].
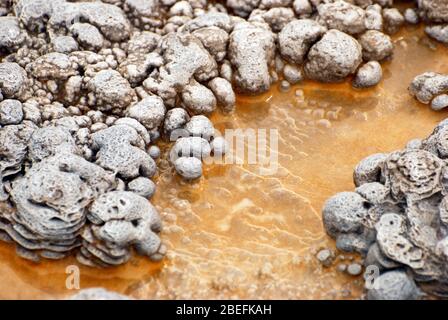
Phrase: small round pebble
[325,257]
[143,187]
[154,152]
[411,16]
[440,102]
[368,75]
[354,269]
[175,119]
[292,74]
[200,126]
[11,112]
[189,168]
[285,86]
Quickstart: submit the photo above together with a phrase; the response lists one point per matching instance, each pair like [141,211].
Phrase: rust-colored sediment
[236,234]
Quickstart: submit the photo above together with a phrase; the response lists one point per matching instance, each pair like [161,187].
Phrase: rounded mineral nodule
[393,285]
[189,168]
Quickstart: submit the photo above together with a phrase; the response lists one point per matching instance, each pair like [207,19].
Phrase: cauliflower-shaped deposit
[11,112]
[394,285]
[434,10]
[198,99]
[430,87]
[438,32]
[141,57]
[13,80]
[64,44]
[297,37]
[89,88]
[54,65]
[334,57]
[215,40]
[242,7]
[116,150]
[251,51]
[110,91]
[88,36]
[109,19]
[343,16]
[50,141]
[222,89]
[144,13]
[11,35]
[375,45]
[186,58]
[13,151]
[120,219]
[51,201]
[150,112]
[175,119]
[397,218]
[393,20]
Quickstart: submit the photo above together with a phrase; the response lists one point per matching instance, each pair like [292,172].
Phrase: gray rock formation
[396,218]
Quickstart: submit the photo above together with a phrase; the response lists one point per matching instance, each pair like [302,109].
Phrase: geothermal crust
[397,218]
[431,88]
[87,89]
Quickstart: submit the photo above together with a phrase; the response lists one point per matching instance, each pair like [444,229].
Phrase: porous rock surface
[89,88]
[397,218]
[430,88]
[334,57]
[435,14]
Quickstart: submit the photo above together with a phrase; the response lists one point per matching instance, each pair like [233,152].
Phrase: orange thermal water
[236,234]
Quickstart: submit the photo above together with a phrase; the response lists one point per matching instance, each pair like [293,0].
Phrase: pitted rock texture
[251,52]
[109,91]
[438,32]
[11,36]
[297,37]
[375,45]
[433,10]
[343,16]
[89,88]
[368,75]
[334,57]
[120,219]
[430,88]
[397,218]
[117,149]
